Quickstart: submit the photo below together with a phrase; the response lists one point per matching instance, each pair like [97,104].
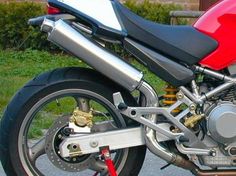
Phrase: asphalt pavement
[151,167]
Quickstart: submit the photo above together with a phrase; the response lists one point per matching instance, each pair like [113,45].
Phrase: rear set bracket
[141,115]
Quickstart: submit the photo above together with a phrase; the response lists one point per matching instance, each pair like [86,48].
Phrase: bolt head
[93,143]
[179,96]
[192,107]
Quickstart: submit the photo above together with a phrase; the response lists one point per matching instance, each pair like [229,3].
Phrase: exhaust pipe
[71,40]
[151,100]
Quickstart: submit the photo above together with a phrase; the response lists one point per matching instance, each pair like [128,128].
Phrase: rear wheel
[37,120]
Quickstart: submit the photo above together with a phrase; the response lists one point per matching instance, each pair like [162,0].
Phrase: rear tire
[45,85]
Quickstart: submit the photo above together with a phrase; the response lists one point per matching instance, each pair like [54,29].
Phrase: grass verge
[18,67]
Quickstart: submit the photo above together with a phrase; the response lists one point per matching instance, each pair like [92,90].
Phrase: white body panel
[100,10]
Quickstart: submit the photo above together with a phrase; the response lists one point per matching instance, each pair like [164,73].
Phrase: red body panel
[219,22]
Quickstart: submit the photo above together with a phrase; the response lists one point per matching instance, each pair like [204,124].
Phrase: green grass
[18,67]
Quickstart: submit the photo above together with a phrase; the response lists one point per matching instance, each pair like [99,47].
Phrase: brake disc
[54,137]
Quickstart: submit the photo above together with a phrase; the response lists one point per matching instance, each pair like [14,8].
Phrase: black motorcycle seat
[182,43]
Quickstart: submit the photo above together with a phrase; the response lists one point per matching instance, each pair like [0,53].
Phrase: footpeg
[122,106]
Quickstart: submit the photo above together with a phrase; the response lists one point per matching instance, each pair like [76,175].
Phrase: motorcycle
[84,112]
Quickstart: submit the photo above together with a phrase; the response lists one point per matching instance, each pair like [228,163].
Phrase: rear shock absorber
[170,97]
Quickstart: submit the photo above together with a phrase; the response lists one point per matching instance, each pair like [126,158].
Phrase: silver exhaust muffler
[65,36]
